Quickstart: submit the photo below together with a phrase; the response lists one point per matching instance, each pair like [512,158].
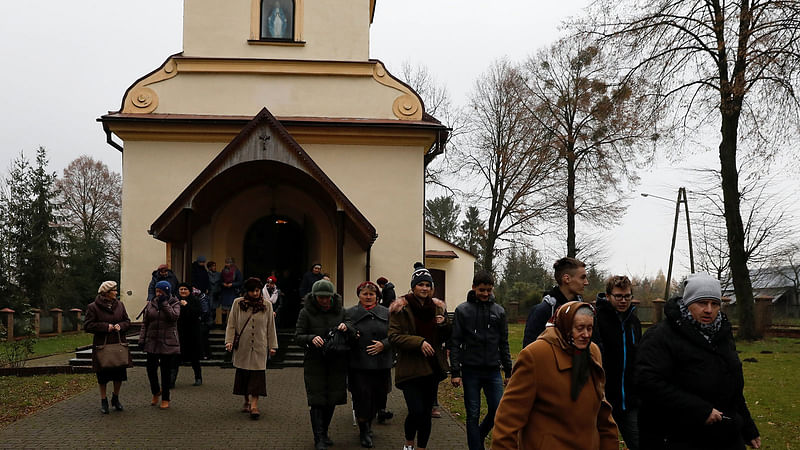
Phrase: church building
[274,139]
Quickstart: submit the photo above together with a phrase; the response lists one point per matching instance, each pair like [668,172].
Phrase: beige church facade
[274,139]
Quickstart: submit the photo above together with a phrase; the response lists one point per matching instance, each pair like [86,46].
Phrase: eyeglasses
[622,296]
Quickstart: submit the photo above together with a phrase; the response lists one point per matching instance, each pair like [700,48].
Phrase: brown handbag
[112,356]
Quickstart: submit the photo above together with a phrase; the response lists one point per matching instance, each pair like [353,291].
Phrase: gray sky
[67,63]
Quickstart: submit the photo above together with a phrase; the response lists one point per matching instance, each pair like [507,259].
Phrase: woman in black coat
[325,374]
[107,319]
[370,374]
[689,377]
[190,332]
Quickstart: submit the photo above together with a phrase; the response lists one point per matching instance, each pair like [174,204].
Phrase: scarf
[707,330]
[581,363]
[370,307]
[228,274]
[424,311]
[257,304]
[581,359]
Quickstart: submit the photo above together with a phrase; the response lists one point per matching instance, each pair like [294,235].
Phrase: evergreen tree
[473,233]
[441,217]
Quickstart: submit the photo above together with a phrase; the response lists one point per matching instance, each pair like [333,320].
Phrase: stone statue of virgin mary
[277,24]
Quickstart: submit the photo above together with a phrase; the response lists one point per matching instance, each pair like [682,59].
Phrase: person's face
[316,270]
[483,291]
[162,272]
[576,281]
[270,283]
[112,294]
[582,331]
[422,289]
[160,293]
[620,298]
[212,267]
[255,293]
[184,292]
[324,300]
[367,297]
[705,311]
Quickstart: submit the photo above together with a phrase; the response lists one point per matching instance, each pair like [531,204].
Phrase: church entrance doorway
[276,245]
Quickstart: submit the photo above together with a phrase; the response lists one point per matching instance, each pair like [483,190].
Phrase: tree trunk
[488,255]
[733,220]
[571,250]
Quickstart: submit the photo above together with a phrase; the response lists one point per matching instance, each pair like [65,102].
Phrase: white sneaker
[408,447]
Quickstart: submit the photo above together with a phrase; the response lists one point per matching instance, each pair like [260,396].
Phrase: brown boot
[164,404]
[154,401]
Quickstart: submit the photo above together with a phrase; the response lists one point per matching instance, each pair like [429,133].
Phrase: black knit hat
[420,274]
[252,284]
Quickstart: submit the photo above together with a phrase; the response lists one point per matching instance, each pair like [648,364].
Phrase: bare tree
[716,62]
[91,197]
[507,154]
[595,124]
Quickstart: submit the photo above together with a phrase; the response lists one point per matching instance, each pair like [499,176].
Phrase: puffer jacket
[541,313]
[480,336]
[159,332]
[680,377]
[618,336]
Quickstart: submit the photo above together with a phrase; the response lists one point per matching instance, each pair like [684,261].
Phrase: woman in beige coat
[252,320]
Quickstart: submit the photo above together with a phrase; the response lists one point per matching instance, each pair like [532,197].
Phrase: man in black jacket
[478,348]
[690,378]
[618,333]
[571,279]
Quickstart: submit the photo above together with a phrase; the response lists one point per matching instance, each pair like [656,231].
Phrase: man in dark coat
[387,291]
[200,275]
[309,278]
[162,273]
[690,378]
[570,275]
[617,333]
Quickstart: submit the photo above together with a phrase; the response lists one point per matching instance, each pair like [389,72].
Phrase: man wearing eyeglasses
[618,333]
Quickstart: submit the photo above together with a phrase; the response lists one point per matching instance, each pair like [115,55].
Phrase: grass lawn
[21,396]
[771,388]
[61,344]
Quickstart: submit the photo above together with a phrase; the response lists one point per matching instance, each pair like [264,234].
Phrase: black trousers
[420,395]
[165,363]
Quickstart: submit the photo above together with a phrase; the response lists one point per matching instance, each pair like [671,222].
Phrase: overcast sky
[67,63]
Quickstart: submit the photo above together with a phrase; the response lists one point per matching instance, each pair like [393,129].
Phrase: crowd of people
[585,376]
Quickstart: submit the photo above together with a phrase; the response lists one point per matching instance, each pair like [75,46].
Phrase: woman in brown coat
[555,398]
[252,319]
[418,328]
[159,339]
[107,319]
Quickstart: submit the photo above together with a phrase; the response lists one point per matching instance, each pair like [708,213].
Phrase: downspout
[109,139]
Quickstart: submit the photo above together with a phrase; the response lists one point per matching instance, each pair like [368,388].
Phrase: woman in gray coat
[158,337]
[252,320]
[370,374]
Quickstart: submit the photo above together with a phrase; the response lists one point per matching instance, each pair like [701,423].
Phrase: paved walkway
[208,417]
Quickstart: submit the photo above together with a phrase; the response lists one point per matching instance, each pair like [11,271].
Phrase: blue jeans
[473,380]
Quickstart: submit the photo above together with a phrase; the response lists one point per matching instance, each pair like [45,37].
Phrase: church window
[277,20]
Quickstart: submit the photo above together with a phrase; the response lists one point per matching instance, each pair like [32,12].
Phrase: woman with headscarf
[689,377]
[325,374]
[555,397]
[251,319]
[370,374]
[107,319]
[418,329]
[231,278]
[158,337]
[190,333]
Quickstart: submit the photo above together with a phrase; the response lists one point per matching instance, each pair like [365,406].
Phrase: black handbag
[112,356]
[336,343]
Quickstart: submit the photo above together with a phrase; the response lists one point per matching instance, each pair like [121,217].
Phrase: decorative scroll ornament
[144,99]
[405,106]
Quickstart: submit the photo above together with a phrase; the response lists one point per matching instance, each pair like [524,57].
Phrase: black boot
[363,434]
[115,402]
[173,377]
[198,382]
[328,415]
[317,421]
[104,406]
[384,415]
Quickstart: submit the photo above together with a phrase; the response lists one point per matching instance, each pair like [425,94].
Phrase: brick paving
[208,417]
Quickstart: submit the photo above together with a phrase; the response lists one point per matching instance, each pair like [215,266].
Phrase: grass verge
[60,344]
[21,396]
[771,388]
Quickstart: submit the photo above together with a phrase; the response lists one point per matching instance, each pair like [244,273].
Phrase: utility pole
[681,199]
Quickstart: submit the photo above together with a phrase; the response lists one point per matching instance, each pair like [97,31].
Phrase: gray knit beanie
[700,286]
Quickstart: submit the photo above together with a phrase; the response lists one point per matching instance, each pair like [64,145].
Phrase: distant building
[780,284]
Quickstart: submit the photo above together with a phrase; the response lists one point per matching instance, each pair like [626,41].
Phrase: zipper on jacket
[624,363]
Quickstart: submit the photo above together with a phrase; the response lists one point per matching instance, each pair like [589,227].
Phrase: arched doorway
[277,245]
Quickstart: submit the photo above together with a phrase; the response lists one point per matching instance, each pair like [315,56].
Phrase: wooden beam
[340,225]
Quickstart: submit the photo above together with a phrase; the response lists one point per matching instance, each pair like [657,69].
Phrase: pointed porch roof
[262,144]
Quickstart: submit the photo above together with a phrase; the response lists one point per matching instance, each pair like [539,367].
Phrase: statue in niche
[277,23]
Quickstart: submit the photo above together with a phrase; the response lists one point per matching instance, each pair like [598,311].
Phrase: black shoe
[384,415]
[104,406]
[363,435]
[115,403]
[317,426]
[327,439]
[198,382]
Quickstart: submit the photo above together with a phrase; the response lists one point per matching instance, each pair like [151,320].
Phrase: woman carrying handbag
[107,319]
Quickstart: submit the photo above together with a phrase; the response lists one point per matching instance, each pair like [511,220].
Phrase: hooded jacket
[541,313]
[537,411]
[480,336]
[618,336]
[159,332]
[681,377]
[155,278]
